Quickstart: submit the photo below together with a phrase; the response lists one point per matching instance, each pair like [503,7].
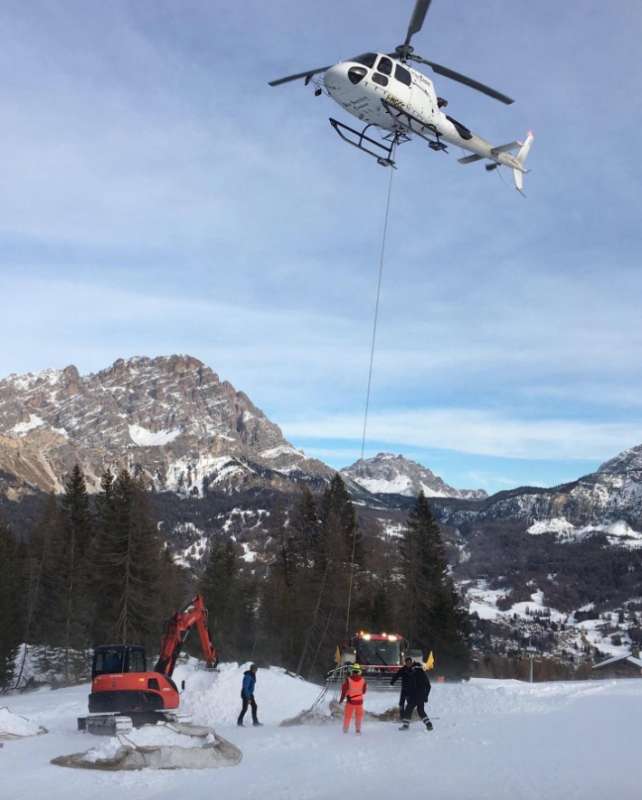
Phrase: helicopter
[385,92]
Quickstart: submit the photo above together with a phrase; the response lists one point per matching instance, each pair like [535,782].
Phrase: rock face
[390,474]
[169,419]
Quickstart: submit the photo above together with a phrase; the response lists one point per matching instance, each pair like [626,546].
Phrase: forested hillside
[95,569]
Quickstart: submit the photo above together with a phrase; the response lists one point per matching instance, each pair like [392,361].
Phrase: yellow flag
[337,656]
[430,661]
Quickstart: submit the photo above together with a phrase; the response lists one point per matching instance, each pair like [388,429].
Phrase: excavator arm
[176,631]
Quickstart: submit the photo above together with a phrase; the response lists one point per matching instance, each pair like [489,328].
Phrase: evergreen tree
[305,528]
[220,586]
[339,539]
[76,527]
[128,564]
[46,587]
[105,567]
[282,597]
[11,604]
[433,615]
[335,578]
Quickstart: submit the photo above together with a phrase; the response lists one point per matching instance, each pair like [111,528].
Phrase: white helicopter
[384,92]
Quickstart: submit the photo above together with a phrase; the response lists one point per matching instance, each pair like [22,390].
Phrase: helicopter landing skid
[428,133]
[358,139]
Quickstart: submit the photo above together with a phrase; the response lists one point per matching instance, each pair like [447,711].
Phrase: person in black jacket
[405,673]
[419,690]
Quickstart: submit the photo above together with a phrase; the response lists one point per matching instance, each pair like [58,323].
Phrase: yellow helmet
[355,668]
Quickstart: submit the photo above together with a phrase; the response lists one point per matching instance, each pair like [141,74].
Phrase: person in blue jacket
[247,695]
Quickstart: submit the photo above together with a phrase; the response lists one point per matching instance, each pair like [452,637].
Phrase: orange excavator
[125,693]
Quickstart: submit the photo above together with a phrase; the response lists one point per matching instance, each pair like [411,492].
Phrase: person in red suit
[352,691]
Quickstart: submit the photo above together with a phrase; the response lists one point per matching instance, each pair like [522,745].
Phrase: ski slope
[492,740]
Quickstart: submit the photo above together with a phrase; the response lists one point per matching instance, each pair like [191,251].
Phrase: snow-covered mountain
[168,418]
[607,502]
[387,473]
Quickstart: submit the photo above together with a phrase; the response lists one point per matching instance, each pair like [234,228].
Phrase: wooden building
[618,667]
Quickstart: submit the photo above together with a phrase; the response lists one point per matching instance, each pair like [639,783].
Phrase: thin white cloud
[477,432]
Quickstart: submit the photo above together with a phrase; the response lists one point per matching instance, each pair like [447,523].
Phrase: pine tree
[305,528]
[339,539]
[11,604]
[220,586]
[105,566]
[434,618]
[127,564]
[46,587]
[77,531]
[282,595]
[335,579]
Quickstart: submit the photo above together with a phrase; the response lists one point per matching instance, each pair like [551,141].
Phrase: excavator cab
[113,659]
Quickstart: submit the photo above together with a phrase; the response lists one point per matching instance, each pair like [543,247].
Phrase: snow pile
[213,698]
[282,697]
[13,726]
[105,751]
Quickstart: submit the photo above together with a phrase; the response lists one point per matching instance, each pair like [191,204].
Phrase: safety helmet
[355,668]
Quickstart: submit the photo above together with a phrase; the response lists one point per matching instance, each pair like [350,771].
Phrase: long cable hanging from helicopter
[385,92]
[373,340]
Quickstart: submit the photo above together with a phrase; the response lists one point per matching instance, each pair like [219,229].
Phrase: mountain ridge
[387,473]
[169,419]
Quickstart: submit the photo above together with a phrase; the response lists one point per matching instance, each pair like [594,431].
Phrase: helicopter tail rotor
[518,172]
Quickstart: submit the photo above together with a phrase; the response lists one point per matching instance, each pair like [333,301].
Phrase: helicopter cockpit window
[367,59]
[385,65]
[380,79]
[402,75]
[356,74]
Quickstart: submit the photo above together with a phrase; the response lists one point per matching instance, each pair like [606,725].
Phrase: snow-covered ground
[492,739]
[598,632]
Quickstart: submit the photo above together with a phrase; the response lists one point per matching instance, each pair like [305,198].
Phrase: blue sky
[158,197]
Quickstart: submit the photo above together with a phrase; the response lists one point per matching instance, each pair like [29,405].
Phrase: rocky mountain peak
[168,417]
[387,473]
[625,462]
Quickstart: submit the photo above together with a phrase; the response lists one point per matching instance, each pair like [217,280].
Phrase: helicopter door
[381,75]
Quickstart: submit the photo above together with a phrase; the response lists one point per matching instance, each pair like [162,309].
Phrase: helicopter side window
[380,79]
[402,74]
[385,65]
[367,59]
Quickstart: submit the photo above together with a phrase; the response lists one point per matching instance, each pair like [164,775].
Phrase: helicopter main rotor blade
[457,76]
[296,77]
[417,19]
